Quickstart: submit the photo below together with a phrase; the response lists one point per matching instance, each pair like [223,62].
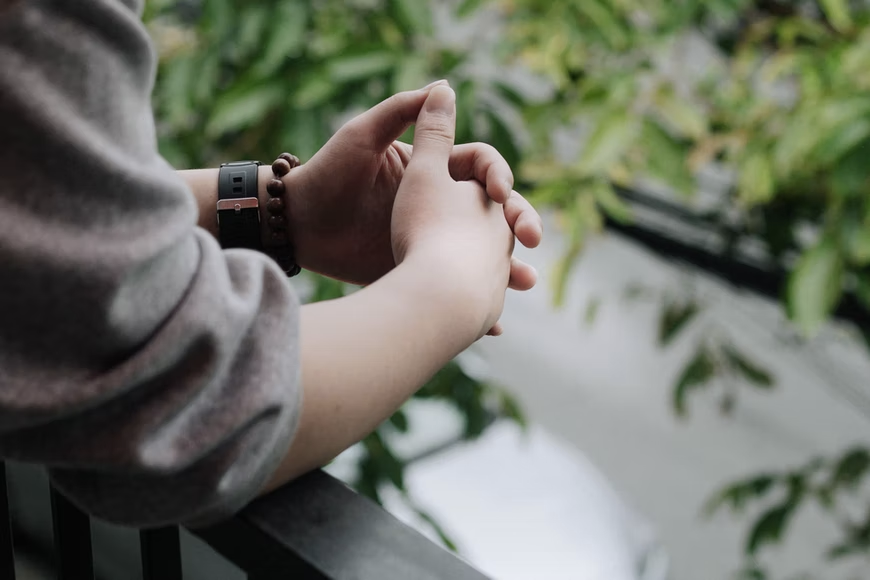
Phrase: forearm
[365,354]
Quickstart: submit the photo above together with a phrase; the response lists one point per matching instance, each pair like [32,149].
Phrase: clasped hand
[365,199]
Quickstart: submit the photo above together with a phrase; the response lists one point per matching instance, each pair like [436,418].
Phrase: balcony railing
[313,528]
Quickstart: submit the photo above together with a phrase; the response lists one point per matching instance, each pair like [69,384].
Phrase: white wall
[606,389]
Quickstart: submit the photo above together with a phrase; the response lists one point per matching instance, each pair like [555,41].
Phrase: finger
[496,330]
[523,220]
[404,150]
[485,164]
[435,129]
[389,119]
[523,276]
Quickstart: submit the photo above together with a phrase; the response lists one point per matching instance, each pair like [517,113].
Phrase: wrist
[449,284]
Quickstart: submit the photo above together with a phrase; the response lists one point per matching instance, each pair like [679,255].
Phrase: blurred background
[686,395]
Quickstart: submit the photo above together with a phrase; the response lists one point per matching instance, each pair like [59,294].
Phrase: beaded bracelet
[280,248]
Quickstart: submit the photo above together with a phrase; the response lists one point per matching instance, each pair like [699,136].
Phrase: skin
[429,230]
[340,220]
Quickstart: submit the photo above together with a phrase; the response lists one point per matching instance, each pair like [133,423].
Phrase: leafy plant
[778,99]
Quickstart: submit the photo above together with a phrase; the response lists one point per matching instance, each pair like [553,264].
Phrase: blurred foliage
[651,92]
[781,100]
[773,92]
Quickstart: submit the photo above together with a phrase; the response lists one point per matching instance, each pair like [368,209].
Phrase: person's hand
[341,201]
[452,224]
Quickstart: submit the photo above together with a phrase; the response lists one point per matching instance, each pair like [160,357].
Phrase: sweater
[155,375]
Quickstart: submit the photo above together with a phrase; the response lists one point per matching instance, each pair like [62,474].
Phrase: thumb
[436,128]
[385,122]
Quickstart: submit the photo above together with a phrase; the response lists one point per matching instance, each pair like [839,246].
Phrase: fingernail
[435,84]
[441,100]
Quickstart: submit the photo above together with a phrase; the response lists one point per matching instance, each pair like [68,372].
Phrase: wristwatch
[238,206]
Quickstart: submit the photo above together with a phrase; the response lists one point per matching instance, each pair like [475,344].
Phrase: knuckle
[435,133]
[356,126]
[488,152]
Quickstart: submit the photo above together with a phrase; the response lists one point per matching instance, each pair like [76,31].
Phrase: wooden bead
[275,187]
[275,206]
[278,238]
[284,259]
[291,159]
[278,223]
[281,167]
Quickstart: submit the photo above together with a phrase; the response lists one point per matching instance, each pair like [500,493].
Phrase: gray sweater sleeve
[155,375]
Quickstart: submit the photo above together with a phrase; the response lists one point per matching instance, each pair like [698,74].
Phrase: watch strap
[238,207]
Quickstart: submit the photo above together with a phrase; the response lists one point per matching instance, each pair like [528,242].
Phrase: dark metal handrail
[313,528]
[317,527]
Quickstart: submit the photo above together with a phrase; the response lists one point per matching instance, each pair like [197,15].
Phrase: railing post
[72,539]
[161,554]
[7,548]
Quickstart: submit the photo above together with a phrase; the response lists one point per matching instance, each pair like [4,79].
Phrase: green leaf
[466,109]
[845,549]
[206,79]
[608,143]
[252,24]
[415,16]
[591,312]
[176,85]
[511,409]
[314,89]
[768,529]
[849,176]
[286,37]
[244,106]
[385,461]
[610,202]
[477,418]
[683,116]
[562,272]
[369,480]
[748,369]
[751,573]
[448,542]
[581,217]
[503,139]
[815,286]
[510,94]
[400,421]
[843,140]
[217,18]
[838,14]
[859,246]
[695,375]
[358,67]
[796,143]
[606,22]
[862,292]
[468,7]
[851,469]
[667,158]
[736,496]
[865,334]
[756,180]
[674,317]
[411,73]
